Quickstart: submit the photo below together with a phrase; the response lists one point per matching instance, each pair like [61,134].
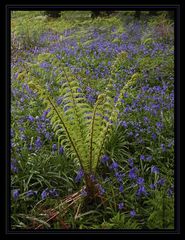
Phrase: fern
[81,129]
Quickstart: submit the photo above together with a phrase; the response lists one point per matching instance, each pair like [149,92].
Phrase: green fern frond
[82,130]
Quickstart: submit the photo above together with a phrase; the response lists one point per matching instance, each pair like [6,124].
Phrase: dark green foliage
[53,14]
[96,13]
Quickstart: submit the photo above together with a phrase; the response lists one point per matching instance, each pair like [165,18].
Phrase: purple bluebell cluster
[154,169]
[14,167]
[79,176]
[49,193]
[31,193]
[132,213]
[15,194]
[133,173]
[120,206]
[114,166]
[105,159]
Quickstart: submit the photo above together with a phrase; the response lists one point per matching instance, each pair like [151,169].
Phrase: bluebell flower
[83,193]
[132,173]
[130,134]
[140,181]
[159,125]
[53,192]
[90,98]
[44,65]
[131,162]
[43,117]
[141,191]
[31,193]
[121,206]
[101,189]
[163,147]
[104,158]
[170,191]
[61,150]
[154,136]
[12,133]
[124,124]
[88,89]
[153,186]
[154,169]
[47,135]
[119,176]
[149,158]
[44,194]
[145,119]
[132,213]
[125,95]
[121,189]
[14,168]
[31,119]
[142,157]
[54,147]
[161,181]
[114,165]
[38,143]
[79,175]
[15,194]
[59,100]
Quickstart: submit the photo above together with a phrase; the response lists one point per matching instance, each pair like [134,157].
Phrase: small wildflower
[141,191]
[132,173]
[121,188]
[154,136]
[153,186]
[44,194]
[149,158]
[38,143]
[31,193]
[119,176]
[31,119]
[124,124]
[59,100]
[142,157]
[61,150]
[170,191]
[114,165]
[132,213]
[14,168]
[161,181]
[101,189]
[54,147]
[140,181]
[163,147]
[53,193]
[120,206]
[16,194]
[130,162]
[104,158]
[79,175]
[159,125]
[154,169]
[83,193]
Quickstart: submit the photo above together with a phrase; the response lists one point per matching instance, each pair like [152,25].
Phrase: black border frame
[6,165]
